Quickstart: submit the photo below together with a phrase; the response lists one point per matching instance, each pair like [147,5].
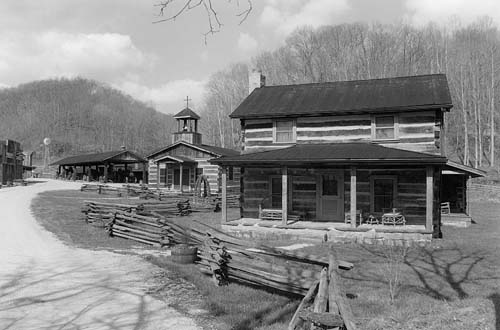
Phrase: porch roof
[463,169]
[178,159]
[112,157]
[332,153]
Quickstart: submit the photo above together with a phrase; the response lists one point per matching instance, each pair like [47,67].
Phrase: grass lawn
[234,306]
[452,284]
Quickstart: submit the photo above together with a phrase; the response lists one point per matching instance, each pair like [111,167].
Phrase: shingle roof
[220,151]
[375,95]
[96,158]
[186,113]
[332,153]
[216,151]
[473,172]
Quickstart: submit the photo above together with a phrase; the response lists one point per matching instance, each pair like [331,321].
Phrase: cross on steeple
[187,101]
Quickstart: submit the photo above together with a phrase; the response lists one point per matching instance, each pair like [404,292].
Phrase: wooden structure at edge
[11,161]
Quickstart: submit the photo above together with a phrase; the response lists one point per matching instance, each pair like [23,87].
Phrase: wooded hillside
[469,55]
[80,116]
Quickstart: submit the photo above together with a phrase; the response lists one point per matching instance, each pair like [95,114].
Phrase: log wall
[213,172]
[256,189]
[410,192]
[418,131]
[152,172]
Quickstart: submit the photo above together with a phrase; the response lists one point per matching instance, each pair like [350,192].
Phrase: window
[276,188]
[284,131]
[384,128]
[230,173]
[383,193]
[329,185]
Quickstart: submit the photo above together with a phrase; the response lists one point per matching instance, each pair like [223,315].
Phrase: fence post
[336,294]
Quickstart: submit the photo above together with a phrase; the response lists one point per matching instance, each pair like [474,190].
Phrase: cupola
[187,126]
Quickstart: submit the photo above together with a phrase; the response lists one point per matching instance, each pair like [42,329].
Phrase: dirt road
[45,284]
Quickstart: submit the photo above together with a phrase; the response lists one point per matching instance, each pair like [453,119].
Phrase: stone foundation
[371,236]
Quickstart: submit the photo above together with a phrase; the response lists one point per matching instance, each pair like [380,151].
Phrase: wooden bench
[277,214]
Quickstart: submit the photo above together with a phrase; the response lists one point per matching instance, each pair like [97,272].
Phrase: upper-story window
[385,127]
[284,131]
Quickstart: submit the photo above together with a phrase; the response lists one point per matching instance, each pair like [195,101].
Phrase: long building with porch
[111,166]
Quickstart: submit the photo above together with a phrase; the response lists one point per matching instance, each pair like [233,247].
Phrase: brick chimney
[255,80]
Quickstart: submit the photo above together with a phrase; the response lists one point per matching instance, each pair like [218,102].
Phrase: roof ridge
[355,80]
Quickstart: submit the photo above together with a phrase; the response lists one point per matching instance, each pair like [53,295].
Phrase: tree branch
[214,23]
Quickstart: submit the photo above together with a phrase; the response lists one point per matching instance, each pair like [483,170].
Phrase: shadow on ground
[76,298]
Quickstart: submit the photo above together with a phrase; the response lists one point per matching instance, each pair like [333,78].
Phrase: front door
[330,197]
[185,179]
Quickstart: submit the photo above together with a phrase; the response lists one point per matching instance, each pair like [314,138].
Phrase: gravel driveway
[45,284]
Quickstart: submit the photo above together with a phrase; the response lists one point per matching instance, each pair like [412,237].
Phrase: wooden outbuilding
[111,166]
[179,165]
[11,161]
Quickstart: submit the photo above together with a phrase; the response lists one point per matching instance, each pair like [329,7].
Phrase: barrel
[184,254]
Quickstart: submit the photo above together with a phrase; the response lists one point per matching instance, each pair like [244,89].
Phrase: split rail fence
[197,204]
[226,258]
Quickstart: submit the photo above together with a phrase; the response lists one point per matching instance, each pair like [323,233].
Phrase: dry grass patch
[452,284]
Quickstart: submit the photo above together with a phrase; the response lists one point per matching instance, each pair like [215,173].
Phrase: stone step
[456,220]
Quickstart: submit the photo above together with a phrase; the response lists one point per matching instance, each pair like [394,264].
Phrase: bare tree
[170,10]
[468,54]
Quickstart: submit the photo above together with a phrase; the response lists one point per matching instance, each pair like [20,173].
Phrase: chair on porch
[393,216]
[445,208]
[359,217]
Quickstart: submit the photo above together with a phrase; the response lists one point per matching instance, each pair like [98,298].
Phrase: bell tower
[187,126]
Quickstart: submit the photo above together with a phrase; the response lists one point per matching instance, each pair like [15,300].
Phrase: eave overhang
[327,112]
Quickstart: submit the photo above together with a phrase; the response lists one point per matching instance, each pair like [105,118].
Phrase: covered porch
[176,173]
[121,166]
[455,209]
[323,187]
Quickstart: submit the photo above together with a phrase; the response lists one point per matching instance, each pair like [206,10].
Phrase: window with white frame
[284,131]
[385,127]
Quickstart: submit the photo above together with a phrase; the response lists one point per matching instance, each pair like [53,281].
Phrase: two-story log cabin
[335,151]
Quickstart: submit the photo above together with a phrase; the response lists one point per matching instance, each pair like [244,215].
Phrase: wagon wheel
[202,187]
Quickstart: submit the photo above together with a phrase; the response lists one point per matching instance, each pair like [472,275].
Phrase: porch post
[105,172]
[144,179]
[429,197]
[180,176]
[166,177]
[224,194]
[466,197]
[284,194]
[157,174]
[353,197]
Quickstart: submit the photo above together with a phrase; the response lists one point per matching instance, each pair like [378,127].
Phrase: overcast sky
[114,41]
